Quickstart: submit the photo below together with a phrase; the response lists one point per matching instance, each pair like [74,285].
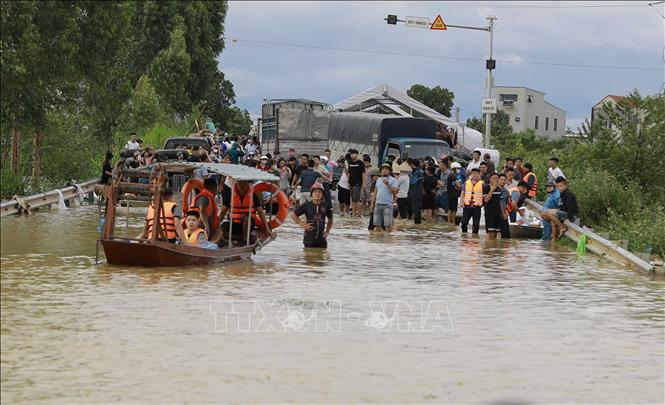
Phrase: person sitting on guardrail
[567,209]
[552,202]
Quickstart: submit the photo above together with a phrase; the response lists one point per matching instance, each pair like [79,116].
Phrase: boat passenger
[531,180]
[194,234]
[316,211]
[207,206]
[241,206]
[473,201]
[170,222]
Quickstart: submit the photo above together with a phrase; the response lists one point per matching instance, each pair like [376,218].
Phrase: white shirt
[131,145]
[344,181]
[403,184]
[552,174]
[473,165]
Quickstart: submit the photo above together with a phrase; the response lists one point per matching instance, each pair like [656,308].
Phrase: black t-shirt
[316,216]
[568,203]
[494,205]
[356,170]
[452,190]
[429,184]
[106,168]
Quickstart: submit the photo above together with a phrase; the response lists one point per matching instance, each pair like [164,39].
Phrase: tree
[171,73]
[437,98]
[500,124]
[236,121]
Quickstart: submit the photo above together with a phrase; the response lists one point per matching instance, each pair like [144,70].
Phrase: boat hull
[165,254]
[526,232]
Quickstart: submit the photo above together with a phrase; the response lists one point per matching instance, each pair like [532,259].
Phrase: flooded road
[423,315]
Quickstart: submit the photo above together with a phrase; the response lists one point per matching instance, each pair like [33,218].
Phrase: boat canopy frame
[158,175]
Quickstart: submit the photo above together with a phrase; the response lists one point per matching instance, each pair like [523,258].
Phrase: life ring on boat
[282,202]
[187,189]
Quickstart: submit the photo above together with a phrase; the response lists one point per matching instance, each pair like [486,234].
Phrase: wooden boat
[156,252]
[526,231]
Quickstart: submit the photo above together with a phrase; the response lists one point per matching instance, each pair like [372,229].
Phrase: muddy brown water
[422,315]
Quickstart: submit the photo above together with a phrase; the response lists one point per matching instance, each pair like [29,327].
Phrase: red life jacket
[241,205]
[211,210]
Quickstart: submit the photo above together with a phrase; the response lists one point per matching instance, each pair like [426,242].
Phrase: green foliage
[171,73]
[143,109]
[437,98]
[613,172]
[86,73]
[11,184]
[236,121]
[500,124]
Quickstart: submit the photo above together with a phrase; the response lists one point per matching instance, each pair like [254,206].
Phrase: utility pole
[489,65]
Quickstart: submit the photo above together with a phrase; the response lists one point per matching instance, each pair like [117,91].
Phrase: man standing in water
[316,211]
[473,201]
[382,201]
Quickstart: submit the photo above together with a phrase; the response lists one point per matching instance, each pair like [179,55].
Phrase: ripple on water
[525,321]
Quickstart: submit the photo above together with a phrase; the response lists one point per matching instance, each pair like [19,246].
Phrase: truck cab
[405,148]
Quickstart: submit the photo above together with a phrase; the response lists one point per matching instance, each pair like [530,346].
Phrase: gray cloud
[632,36]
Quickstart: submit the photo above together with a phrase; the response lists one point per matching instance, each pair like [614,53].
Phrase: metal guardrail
[599,245]
[16,205]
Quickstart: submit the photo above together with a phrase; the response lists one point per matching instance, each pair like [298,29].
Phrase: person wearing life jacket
[242,205]
[194,234]
[170,219]
[531,180]
[472,196]
[208,210]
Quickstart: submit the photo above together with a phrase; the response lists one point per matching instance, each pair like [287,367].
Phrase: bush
[11,184]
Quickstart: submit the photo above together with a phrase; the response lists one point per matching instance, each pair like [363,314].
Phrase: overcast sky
[587,33]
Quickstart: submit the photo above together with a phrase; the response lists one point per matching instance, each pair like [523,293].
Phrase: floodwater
[424,315]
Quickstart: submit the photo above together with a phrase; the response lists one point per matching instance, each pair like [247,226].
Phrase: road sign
[438,24]
[488,105]
[418,22]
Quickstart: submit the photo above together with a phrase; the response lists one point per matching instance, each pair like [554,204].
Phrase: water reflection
[532,321]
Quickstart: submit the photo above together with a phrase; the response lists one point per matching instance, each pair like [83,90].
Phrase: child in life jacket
[194,233]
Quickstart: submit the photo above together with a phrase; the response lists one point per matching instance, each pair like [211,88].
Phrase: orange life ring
[187,189]
[282,202]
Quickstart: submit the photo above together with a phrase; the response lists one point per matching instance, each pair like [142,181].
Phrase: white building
[527,109]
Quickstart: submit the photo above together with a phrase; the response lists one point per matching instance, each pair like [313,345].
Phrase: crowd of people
[396,192]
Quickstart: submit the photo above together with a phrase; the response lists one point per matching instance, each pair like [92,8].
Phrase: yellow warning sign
[438,24]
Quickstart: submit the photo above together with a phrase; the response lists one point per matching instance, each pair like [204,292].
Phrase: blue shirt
[552,200]
[383,194]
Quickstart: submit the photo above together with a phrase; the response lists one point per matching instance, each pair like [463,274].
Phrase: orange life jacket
[241,205]
[167,221]
[510,202]
[193,237]
[211,211]
[533,191]
[473,194]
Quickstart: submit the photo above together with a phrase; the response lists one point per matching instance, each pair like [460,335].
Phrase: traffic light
[392,19]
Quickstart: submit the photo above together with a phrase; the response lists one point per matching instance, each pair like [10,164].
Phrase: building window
[529,99]
[555,126]
[536,125]
[547,123]
[508,99]
[517,119]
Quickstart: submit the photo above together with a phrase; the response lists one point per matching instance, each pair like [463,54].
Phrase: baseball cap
[316,186]
[550,183]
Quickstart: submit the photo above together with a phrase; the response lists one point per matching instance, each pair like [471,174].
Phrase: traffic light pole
[490,64]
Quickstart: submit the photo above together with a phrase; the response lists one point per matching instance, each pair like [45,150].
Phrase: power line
[390,53]
[495,5]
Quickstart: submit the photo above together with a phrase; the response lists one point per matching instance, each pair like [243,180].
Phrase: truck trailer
[381,135]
